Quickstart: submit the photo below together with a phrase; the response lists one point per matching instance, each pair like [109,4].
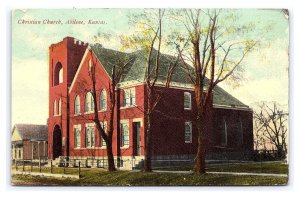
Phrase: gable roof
[32,132]
[108,57]
[223,98]
[136,71]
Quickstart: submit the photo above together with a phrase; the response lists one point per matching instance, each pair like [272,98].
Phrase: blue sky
[265,75]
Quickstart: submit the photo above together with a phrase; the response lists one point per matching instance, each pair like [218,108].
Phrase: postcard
[150,97]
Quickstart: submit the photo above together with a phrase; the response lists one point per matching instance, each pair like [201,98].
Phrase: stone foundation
[137,162]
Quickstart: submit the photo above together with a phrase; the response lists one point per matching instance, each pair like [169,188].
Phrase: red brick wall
[81,87]
[232,117]
[169,122]
[69,54]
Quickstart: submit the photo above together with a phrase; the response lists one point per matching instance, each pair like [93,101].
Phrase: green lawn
[276,168]
[96,177]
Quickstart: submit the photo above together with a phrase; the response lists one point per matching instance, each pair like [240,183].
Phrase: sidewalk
[249,174]
[225,173]
[73,176]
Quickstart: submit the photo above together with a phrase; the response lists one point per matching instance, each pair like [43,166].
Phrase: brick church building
[72,132]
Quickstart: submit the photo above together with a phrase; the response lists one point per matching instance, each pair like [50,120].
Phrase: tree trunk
[148,151]
[200,156]
[110,156]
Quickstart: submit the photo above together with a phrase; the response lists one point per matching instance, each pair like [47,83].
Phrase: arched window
[77,105]
[89,102]
[224,133]
[61,75]
[187,100]
[58,74]
[188,132]
[59,107]
[103,100]
[54,108]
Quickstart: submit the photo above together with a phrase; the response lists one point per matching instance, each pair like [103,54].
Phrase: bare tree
[149,37]
[259,140]
[117,72]
[271,123]
[215,57]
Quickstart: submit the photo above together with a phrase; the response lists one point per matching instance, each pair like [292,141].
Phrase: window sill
[87,148]
[124,147]
[127,107]
[89,112]
[77,115]
[103,110]
[187,108]
[91,148]
[187,142]
[57,115]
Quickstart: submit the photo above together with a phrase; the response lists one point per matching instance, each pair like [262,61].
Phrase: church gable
[82,81]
